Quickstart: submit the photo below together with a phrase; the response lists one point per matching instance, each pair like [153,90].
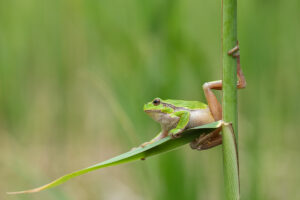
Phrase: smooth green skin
[192,105]
[170,106]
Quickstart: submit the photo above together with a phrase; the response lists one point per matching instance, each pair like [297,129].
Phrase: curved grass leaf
[161,146]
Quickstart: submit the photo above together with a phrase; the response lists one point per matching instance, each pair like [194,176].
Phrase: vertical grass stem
[230,155]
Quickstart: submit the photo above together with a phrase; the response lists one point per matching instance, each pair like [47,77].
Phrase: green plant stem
[229,63]
[231,167]
[230,158]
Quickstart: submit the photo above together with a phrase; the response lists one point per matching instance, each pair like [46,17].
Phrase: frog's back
[192,105]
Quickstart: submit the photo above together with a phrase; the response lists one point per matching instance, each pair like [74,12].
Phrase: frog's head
[157,108]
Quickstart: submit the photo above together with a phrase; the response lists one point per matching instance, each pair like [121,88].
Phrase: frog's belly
[200,117]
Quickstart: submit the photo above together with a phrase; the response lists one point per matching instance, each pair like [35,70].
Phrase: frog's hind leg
[207,141]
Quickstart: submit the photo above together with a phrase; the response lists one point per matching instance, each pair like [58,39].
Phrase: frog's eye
[156,102]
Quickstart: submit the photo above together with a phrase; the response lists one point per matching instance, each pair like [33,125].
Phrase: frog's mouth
[156,115]
[152,111]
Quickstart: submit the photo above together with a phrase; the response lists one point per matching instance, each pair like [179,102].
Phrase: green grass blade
[161,146]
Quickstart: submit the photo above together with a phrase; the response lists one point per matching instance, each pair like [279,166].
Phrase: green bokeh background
[74,76]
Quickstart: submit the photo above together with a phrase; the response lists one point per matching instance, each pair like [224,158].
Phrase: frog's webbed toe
[176,133]
[207,141]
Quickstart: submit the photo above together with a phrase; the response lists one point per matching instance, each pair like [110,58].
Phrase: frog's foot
[234,52]
[207,141]
[210,143]
[133,148]
[176,133]
[146,143]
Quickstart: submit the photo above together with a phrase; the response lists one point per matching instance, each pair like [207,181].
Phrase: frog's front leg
[159,136]
[213,104]
[184,118]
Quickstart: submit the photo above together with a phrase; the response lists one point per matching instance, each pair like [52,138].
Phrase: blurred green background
[74,76]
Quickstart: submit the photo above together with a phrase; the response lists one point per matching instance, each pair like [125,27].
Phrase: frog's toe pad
[145,144]
[176,134]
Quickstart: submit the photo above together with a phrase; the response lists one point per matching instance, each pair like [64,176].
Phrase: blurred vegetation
[74,76]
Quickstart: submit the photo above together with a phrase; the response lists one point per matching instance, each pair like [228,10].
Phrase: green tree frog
[175,116]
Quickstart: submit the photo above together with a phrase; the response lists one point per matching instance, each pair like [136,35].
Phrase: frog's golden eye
[156,102]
